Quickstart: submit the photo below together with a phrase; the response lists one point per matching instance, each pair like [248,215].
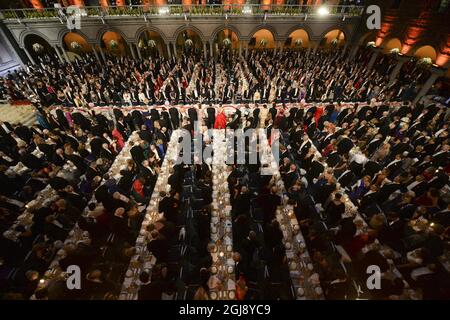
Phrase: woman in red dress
[221,120]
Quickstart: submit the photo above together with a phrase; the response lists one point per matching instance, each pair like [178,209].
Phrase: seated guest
[149,290]
[158,246]
[334,210]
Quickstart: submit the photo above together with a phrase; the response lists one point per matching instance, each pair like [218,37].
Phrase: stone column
[169,54]
[160,50]
[96,55]
[435,74]
[58,53]
[401,59]
[211,49]
[131,46]
[376,52]
[29,55]
[346,45]
[353,51]
[138,51]
[65,54]
[316,46]
[101,52]
[205,53]
[308,52]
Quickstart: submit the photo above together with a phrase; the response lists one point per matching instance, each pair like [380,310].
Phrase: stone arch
[224,27]
[75,36]
[26,33]
[266,27]
[296,34]
[339,27]
[305,27]
[422,51]
[150,28]
[263,34]
[151,41]
[62,33]
[196,37]
[327,39]
[367,37]
[189,27]
[105,29]
[390,43]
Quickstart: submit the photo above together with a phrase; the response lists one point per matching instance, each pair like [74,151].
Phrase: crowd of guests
[72,152]
[369,186]
[258,76]
[389,159]
[180,240]
[393,163]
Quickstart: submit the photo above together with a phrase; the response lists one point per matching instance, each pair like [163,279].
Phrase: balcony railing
[184,10]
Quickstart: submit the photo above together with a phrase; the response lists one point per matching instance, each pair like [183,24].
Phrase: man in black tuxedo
[345,145]
[193,116]
[169,206]
[394,231]
[145,134]
[241,204]
[174,117]
[137,153]
[119,224]
[273,111]
[30,160]
[158,246]
[154,113]
[81,120]
[97,146]
[211,111]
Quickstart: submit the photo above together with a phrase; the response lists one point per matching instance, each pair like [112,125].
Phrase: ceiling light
[323,11]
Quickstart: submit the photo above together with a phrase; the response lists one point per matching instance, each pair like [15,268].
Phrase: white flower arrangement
[263,42]
[395,51]
[226,42]
[151,43]
[37,47]
[189,42]
[298,42]
[113,44]
[75,45]
[425,61]
[141,44]
[370,44]
[335,41]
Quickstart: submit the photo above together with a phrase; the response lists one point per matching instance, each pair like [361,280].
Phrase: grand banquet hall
[227,173]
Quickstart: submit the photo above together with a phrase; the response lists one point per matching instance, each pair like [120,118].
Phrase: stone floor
[15,114]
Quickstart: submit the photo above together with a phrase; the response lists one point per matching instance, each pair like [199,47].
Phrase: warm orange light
[37,4]
[383,32]
[412,36]
[79,3]
[443,56]
[266,4]
[405,48]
